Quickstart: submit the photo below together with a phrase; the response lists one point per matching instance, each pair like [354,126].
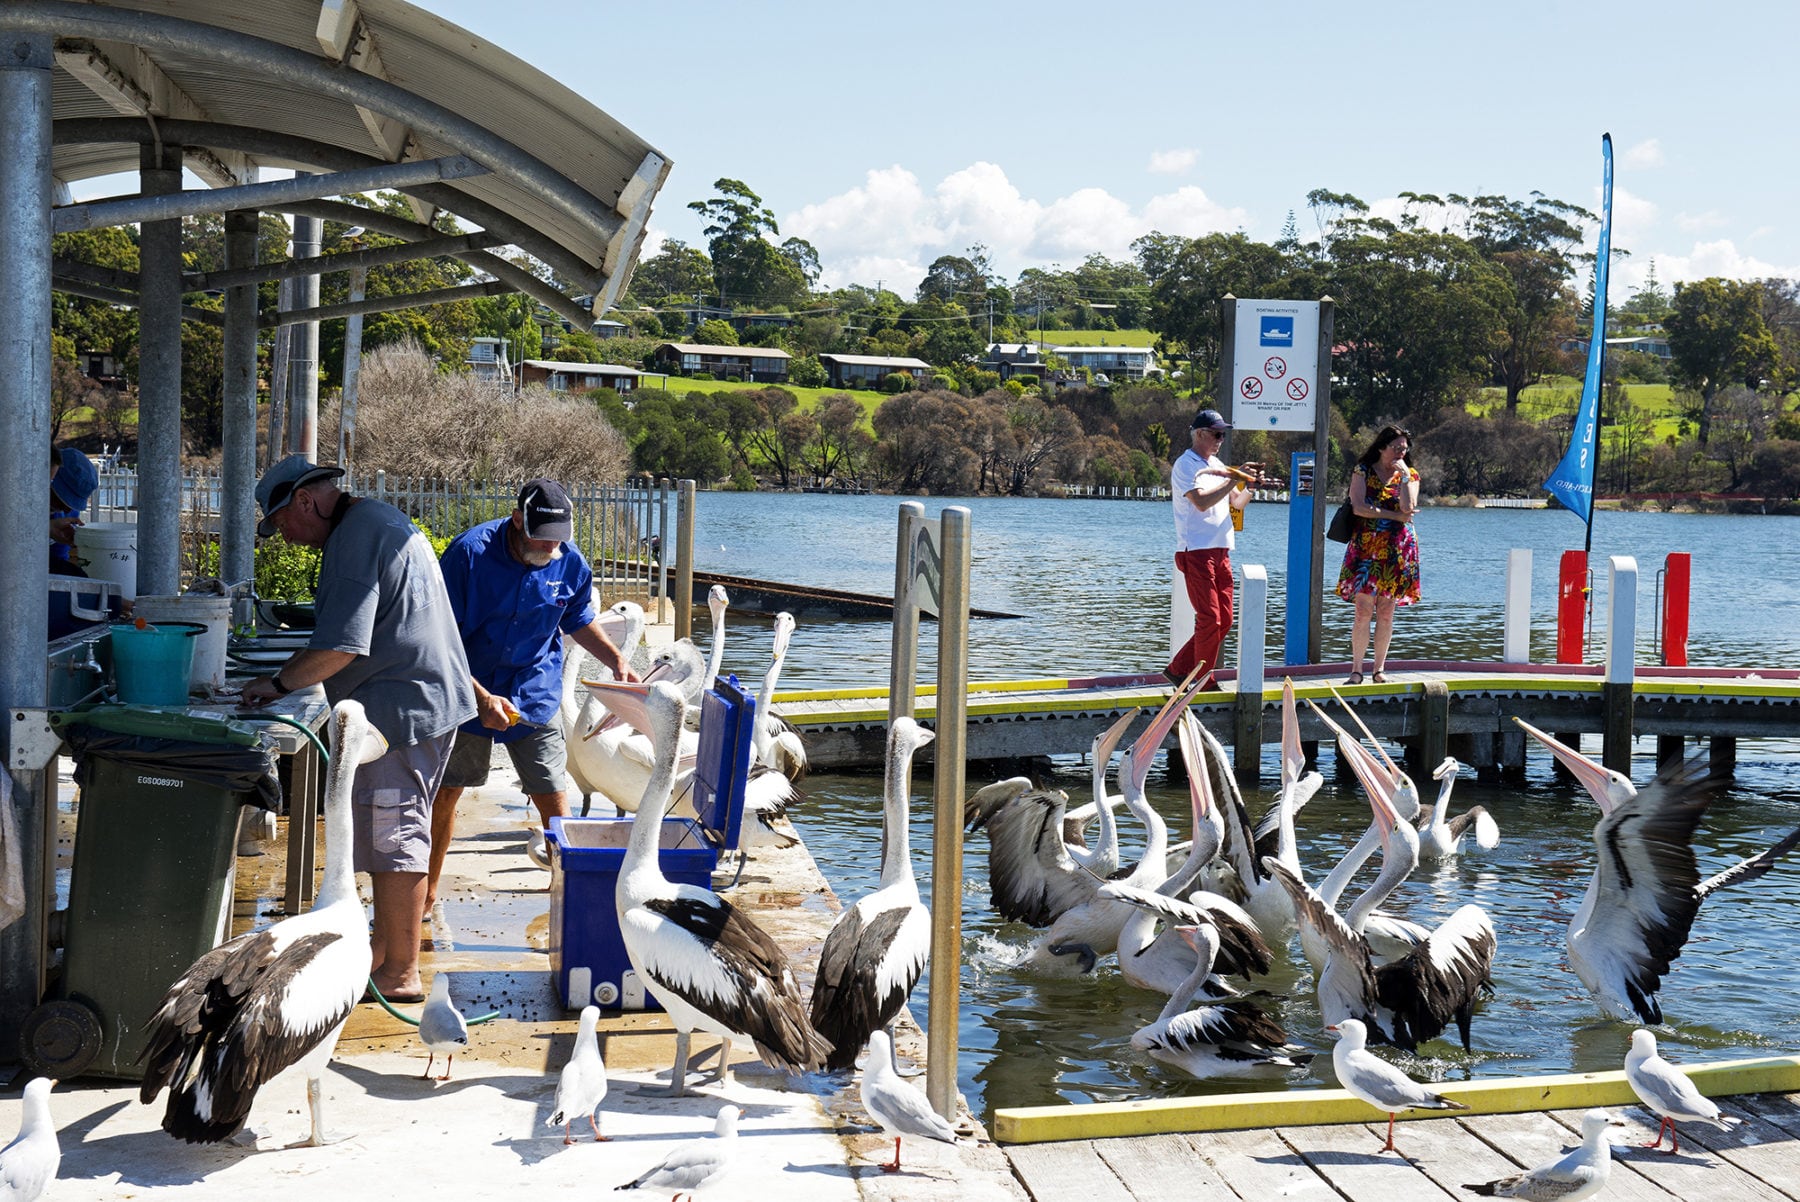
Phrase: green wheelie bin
[150,890]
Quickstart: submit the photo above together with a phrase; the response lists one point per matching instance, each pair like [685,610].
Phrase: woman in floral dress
[1381,561]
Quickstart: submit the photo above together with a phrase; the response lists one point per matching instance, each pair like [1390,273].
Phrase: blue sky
[888,134]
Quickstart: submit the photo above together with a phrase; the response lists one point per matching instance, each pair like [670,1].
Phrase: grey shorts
[538,758]
[392,807]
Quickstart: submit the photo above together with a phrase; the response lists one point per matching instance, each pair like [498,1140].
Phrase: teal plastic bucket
[152,666]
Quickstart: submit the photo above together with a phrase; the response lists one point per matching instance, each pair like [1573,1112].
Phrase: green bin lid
[161,722]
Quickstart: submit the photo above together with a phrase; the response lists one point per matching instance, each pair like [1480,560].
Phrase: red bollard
[1677,573]
[1571,607]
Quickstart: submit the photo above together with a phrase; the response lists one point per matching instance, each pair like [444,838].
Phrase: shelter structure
[352,96]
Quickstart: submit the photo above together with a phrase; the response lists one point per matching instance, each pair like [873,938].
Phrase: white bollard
[1253,626]
[1515,644]
[1621,620]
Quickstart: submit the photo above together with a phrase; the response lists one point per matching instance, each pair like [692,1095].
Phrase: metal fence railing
[620,528]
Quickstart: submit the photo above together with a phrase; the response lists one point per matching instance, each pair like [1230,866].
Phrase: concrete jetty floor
[482,1134]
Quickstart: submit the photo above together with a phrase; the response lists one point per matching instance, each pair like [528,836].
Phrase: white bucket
[110,552]
[214,613]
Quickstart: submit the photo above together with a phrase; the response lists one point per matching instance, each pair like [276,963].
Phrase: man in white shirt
[1205,491]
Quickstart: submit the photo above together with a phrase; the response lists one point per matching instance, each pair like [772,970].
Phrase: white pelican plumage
[1646,889]
[1440,836]
[1668,1092]
[272,998]
[581,712]
[1572,1177]
[877,948]
[777,744]
[1377,1082]
[1213,1041]
[718,601]
[710,966]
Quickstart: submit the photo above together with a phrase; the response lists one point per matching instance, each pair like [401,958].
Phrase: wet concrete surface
[482,1133]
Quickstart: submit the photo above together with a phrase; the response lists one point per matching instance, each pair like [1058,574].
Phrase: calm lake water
[1092,579]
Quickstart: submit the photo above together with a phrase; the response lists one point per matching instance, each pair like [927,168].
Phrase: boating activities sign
[1572,483]
[1275,365]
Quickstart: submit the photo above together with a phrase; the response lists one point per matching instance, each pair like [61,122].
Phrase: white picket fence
[619,527]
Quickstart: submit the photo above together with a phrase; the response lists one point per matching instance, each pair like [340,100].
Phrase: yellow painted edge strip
[1306,1108]
[1767,688]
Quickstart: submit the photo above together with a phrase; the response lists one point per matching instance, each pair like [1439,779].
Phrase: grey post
[684,566]
[303,350]
[1227,365]
[159,382]
[1321,470]
[353,328]
[947,830]
[237,529]
[904,660]
[278,377]
[25,195]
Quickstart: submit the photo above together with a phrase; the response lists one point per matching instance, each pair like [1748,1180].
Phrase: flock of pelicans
[278,997]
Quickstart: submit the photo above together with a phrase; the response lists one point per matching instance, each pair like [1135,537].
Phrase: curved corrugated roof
[379,79]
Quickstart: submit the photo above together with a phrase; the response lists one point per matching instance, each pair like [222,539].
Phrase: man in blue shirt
[518,585]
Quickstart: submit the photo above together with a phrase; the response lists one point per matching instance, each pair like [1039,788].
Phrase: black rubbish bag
[246,771]
[1342,527]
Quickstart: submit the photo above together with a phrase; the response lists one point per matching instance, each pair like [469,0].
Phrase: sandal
[1355,678]
[1379,678]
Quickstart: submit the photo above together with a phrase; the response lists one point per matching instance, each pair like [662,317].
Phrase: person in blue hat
[73,479]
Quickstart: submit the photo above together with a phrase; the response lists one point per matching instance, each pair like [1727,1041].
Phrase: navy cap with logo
[1209,419]
[279,484]
[548,511]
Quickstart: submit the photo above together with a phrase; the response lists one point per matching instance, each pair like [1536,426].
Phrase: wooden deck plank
[1450,1153]
[1349,1157]
[1534,1139]
[1757,1146]
[1778,1110]
[1164,1168]
[1690,1174]
[1258,1165]
[1067,1172]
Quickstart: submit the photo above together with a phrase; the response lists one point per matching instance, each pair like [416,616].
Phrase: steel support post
[159,382]
[237,518]
[947,825]
[303,350]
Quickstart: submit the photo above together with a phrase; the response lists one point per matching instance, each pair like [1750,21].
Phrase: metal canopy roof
[321,86]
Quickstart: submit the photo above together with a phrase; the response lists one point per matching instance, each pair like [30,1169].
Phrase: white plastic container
[208,675]
[109,550]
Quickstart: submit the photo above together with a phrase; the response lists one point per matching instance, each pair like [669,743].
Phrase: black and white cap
[548,512]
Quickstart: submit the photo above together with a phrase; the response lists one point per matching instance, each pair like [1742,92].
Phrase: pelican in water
[1440,836]
[778,744]
[1229,1040]
[710,966]
[273,998]
[1646,889]
[877,948]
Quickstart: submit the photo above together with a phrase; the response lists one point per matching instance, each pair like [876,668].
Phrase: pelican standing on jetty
[710,966]
[1646,889]
[877,949]
[272,998]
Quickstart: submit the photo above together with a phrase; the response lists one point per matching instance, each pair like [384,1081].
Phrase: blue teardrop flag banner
[1572,483]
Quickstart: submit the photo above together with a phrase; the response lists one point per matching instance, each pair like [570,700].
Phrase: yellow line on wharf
[1309,1108]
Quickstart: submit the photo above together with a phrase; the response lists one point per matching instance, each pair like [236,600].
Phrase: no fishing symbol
[1274,368]
[1251,388]
[1296,389]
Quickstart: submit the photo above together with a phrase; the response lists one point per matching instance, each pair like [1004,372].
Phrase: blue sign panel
[1277,330]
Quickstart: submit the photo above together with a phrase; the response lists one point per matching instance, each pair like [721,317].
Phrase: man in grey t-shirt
[386,636]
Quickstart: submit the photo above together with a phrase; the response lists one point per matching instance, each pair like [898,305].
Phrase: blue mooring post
[1302,571]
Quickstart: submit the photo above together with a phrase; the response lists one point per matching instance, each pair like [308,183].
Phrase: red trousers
[1209,587]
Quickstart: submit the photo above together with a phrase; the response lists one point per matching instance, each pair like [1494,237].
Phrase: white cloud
[1721,258]
[890,227]
[1647,153]
[1436,217]
[1173,162]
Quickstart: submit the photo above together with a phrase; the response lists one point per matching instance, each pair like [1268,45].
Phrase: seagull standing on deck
[1668,1092]
[898,1107]
[441,1026]
[1570,1178]
[29,1163]
[582,1086]
[1377,1082]
[695,1163]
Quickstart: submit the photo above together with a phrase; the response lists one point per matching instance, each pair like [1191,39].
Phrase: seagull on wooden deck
[29,1163]
[442,1027]
[582,1086]
[1646,889]
[710,966]
[1377,1082]
[272,998]
[1668,1092]
[696,1163]
[898,1107]
[1569,1178]
[877,948]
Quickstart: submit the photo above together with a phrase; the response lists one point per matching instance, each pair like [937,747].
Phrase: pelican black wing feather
[765,1004]
[847,1003]
[1439,981]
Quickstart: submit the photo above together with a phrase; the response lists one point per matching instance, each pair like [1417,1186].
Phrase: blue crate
[587,953]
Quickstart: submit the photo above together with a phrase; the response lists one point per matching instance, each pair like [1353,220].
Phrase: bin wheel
[60,1039]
